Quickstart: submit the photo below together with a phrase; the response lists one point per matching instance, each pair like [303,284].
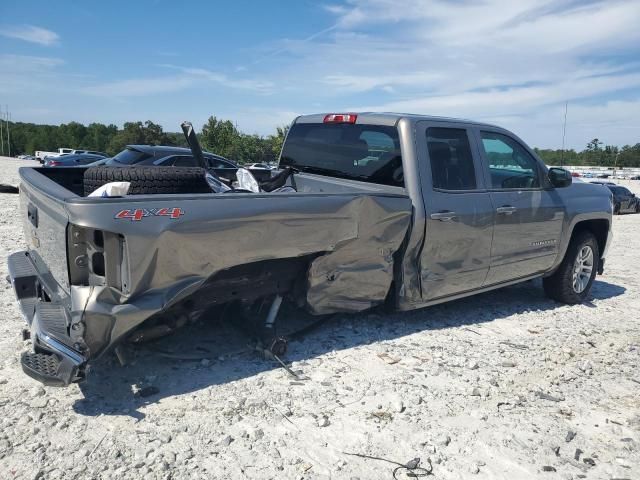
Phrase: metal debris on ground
[411,469]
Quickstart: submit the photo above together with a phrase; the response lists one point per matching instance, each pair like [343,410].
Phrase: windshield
[369,153]
[128,156]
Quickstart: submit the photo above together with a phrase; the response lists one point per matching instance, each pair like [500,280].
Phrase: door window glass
[218,163]
[510,165]
[451,160]
[184,162]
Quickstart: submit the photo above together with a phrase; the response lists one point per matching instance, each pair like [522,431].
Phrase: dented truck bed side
[132,257]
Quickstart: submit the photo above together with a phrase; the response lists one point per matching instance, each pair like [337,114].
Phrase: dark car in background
[164,156]
[72,160]
[623,200]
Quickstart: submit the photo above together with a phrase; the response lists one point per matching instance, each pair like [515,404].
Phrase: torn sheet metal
[164,259]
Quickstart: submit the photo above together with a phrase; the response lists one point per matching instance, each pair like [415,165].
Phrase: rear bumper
[55,361]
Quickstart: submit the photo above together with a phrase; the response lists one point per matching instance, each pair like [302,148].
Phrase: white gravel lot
[504,385]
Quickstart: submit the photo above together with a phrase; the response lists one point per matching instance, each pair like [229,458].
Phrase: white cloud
[508,62]
[614,122]
[186,78]
[30,33]
[514,100]
[28,74]
[27,63]
[490,59]
[136,87]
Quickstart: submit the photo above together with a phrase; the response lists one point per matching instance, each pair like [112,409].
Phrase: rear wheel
[616,209]
[572,282]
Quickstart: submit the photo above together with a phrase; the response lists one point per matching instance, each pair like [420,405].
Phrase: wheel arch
[599,227]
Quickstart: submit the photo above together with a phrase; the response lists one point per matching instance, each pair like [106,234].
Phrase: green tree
[219,136]
[138,133]
[629,156]
[594,152]
[277,140]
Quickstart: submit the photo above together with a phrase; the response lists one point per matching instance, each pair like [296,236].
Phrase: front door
[528,213]
[456,252]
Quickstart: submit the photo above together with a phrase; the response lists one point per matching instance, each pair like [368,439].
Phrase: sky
[260,64]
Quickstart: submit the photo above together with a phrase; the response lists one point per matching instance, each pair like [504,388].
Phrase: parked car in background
[41,154]
[164,156]
[262,166]
[624,201]
[92,152]
[72,160]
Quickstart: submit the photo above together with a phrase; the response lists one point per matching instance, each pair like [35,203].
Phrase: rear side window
[451,160]
[218,163]
[369,153]
[184,161]
[619,190]
[130,156]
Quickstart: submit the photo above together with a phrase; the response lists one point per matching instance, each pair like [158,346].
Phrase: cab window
[510,165]
[451,159]
[368,153]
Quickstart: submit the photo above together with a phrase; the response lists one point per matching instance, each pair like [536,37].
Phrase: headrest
[359,149]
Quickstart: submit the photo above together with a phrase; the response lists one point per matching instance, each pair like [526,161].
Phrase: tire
[149,180]
[561,286]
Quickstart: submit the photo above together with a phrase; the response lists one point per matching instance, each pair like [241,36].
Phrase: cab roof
[388,118]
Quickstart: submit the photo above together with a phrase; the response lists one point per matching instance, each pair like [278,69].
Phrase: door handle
[444,216]
[506,210]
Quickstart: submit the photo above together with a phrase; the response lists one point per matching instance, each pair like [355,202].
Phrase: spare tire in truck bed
[146,180]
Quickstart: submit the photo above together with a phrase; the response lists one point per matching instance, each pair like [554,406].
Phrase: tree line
[222,137]
[595,153]
[217,136]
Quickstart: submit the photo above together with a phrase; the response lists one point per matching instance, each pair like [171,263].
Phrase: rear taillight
[53,163]
[340,118]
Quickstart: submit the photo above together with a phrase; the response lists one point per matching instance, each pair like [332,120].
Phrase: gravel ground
[503,385]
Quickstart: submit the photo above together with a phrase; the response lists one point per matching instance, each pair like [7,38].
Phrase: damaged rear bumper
[54,360]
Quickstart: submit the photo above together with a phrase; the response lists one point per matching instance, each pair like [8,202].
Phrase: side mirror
[559,177]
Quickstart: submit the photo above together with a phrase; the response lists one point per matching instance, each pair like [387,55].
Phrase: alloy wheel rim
[582,268]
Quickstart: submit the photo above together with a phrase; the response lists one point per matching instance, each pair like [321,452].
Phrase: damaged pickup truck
[394,209]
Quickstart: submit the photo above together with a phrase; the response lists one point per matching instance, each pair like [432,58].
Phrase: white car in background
[259,166]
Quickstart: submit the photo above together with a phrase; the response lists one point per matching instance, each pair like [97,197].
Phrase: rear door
[457,248]
[528,213]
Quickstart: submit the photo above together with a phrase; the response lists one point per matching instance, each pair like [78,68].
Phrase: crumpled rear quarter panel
[170,259]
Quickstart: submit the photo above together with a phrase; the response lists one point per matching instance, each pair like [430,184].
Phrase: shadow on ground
[227,357]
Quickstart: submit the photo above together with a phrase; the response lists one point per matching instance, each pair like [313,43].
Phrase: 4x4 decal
[137,214]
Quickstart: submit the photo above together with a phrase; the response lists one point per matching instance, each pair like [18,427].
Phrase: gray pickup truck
[395,209]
